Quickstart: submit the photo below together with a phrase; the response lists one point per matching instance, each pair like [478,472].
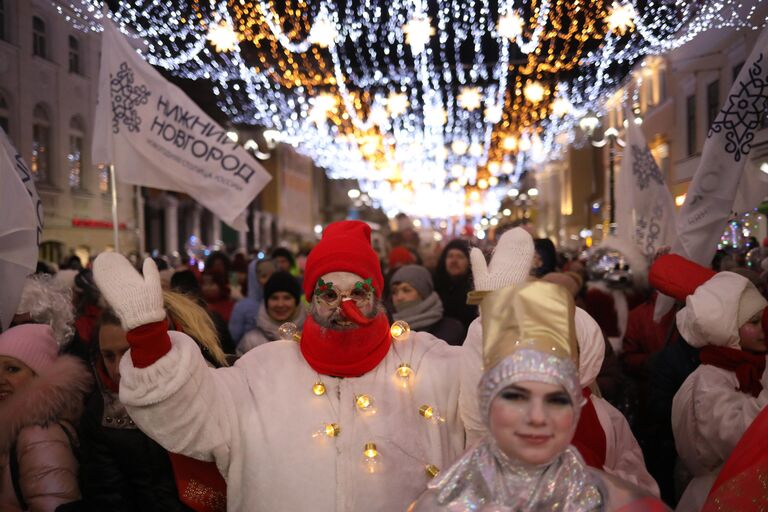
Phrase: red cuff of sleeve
[149,343]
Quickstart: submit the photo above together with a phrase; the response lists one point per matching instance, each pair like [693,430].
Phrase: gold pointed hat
[536,315]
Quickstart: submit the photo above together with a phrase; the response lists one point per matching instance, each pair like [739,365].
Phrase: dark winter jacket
[449,330]
[453,290]
[121,468]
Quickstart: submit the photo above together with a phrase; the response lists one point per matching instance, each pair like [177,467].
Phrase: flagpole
[115,226]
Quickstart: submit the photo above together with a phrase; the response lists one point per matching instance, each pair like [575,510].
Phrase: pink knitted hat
[32,344]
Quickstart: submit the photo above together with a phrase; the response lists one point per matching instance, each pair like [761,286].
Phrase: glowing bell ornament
[404,374]
[289,331]
[400,330]
[365,404]
[430,414]
[371,458]
[328,430]
[318,388]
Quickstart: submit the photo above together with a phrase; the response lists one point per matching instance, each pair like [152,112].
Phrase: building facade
[48,84]
[677,96]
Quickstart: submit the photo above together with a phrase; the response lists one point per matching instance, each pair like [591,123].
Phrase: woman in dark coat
[416,302]
[453,280]
[122,468]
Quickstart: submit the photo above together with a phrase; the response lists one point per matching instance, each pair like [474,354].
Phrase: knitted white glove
[510,264]
[135,299]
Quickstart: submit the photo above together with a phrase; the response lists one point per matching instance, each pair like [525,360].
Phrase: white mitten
[510,264]
[137,300]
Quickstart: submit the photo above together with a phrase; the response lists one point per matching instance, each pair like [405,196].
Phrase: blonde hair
[194,321]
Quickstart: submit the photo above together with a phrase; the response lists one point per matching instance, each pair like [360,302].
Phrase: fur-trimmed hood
[56,395]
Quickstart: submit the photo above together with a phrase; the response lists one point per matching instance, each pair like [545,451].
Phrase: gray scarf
[422,315]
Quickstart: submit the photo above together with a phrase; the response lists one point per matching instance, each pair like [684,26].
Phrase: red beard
[347,353]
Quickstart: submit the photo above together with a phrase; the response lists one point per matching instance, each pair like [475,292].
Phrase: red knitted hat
[400,256]
[678,277]
[345,247]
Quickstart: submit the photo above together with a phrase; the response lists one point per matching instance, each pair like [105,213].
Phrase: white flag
[645,211]
[712,191]
[21,226]
[753,188]
[157,137]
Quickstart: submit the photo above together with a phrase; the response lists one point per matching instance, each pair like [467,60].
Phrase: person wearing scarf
[530,399]
[244,313]
[453,281]
[282,303]
[417,303]
[717,402]
[347,419]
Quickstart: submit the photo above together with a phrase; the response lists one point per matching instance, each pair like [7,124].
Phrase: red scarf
[589,438]
[748,367]
[349,353]
[104,377]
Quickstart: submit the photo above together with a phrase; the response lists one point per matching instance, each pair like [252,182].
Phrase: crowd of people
[511,375]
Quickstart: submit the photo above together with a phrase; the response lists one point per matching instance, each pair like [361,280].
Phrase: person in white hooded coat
[623,456]
[714,407]
[346,420]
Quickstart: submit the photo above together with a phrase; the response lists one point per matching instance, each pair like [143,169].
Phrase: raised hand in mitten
[510,263]
[137,300]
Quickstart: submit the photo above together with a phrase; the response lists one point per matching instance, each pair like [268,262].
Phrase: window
[690,126]
[713,101]
[5,113]
[38,38]
[104,179]
[3,17]
[75,155]
[41,144]
[74,55]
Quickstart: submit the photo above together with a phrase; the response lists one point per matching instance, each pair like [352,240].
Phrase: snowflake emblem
[743,112]
[125,98]
[644,168]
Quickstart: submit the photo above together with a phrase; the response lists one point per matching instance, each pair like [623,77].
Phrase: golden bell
[370,451]
[404,371]
[400,330]
[364,402]
[318,389]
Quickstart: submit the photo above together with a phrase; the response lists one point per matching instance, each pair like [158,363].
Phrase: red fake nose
[352,312]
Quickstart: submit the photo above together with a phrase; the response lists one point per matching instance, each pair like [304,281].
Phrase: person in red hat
[723,317]
[358,415]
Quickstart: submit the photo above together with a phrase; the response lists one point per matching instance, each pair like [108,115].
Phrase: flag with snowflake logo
[711,194]
[157,137]
[710,197]
[645,212]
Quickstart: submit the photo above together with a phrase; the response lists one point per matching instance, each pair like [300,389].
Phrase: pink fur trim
[56,395]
